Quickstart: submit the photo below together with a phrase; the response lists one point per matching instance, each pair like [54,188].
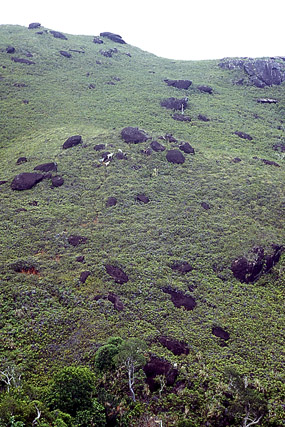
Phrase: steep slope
[219,209]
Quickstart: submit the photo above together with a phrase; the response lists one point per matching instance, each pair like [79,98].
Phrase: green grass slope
[50,319]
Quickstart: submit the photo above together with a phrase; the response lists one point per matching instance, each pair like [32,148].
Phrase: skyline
[185,31]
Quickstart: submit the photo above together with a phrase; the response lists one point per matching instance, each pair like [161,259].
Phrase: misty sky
[182,29]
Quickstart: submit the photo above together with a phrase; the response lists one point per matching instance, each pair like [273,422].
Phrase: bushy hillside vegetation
[153,287]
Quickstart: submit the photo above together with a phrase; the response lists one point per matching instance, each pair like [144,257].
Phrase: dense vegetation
[117,345]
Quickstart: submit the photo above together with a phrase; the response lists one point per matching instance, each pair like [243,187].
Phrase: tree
[72,389]
[131,357]
[104,357]
[249,404]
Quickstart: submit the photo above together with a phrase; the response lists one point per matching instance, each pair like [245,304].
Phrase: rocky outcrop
[220,333]
[22,60]
[179,299]
[57,181]
[187,148]
[174,103]
[114,37]
[65,53]
[134,135]
[261,72]
[84,276]
[46,167]
[26,180]
[182,267]
[72,141]
[156,146]
[58,35]
[243,135]
[76,240]
[175,156]
[34,25]
[108,53]
[117,274]
[181,117]
[158,366]
[205,89]
[10,49]
[179,84]
[111,201]
[142,198]
[249,269]
[118,305]
[175,346]
[97,40]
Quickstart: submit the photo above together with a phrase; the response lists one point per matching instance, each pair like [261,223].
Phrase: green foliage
[92,417]
[72,389]
[104,357]
[51,317]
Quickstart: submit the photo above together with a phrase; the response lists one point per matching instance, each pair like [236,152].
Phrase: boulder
[111,201]
[3,182]
[179,299]
[34,25]
[170,138]
[46,167]
[114,37]
[134,135]
[174,103]
[179,84]
[84,276]
[181,117]
[156,146]
[175,346]
[175,156]
[118,305]
[108,53]
[205,206]
[205,89]
[57,181]
[26,180]
[187,148]
[58,35]
[80,258]
[203,118]
[142,198]
[270,162]
[220,333]
[99,147]
[65,53]
[236,160]
[158,366]
[97,40]
[76,240]
[117,274]
[244,135]
[72,141]
[10,49]
[22,60]
[279,147]
[121,156]
[21,160]
[182,267]
[249,269]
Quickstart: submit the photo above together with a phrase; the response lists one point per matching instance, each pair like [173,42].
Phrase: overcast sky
[181,29]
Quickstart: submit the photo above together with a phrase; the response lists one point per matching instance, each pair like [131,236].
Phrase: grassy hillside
[50,319]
